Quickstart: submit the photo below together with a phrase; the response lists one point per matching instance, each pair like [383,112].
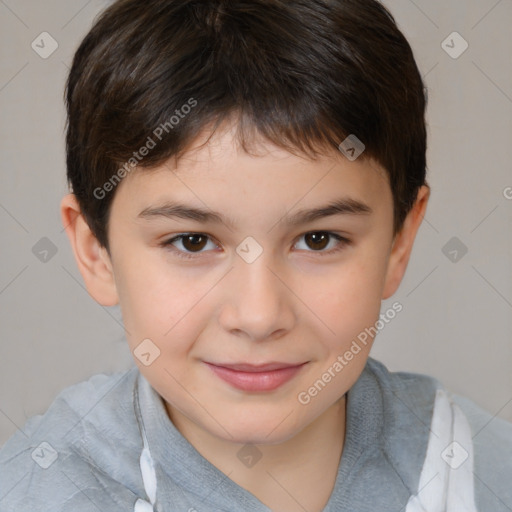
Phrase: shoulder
[492,444]
[409,400]
[404,394]
[63,459]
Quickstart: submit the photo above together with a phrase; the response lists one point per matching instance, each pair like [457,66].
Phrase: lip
[250,377]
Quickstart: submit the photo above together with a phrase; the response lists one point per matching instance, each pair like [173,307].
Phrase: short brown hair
[304,74]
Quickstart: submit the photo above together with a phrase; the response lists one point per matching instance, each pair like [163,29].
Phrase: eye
[318,241]
[190,243]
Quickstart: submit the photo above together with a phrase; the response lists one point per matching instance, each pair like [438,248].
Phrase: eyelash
[168,244]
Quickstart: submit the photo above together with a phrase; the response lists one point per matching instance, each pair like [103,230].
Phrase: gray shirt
[107,444]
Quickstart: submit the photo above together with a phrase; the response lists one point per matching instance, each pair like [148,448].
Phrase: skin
[297,302]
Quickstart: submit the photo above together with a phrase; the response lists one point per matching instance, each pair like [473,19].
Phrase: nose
[258,304]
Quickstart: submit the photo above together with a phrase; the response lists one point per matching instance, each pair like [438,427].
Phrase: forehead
[266,178]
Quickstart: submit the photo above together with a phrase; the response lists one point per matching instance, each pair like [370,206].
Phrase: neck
[287,472]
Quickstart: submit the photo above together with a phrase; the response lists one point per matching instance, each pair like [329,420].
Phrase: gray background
[456,322]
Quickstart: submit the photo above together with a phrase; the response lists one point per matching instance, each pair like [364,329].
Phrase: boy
[248,179]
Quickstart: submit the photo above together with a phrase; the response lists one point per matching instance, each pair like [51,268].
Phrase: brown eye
[322,243]
[317,240]
[195,242]
[190,245]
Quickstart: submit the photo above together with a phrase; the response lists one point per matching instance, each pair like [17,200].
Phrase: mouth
[262,377]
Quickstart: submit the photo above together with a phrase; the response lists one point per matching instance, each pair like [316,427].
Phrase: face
[246,299]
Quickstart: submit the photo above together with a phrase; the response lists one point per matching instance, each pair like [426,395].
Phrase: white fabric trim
[462,495]
[446,481]
[147,466]
[142,506]
[147,470]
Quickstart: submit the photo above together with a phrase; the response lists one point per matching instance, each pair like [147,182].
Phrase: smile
[246,377]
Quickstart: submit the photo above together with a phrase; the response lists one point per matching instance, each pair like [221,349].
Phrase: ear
[92,259]
[403,242]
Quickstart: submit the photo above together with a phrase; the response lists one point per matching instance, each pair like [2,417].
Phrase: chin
[257,429]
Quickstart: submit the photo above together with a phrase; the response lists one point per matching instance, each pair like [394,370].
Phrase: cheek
[351,299]
[159,303]
[349,306]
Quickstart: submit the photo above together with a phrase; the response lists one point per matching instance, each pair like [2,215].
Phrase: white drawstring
[147,466]
[142,506]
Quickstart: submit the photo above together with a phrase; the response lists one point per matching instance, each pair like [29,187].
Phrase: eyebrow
[171,210]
